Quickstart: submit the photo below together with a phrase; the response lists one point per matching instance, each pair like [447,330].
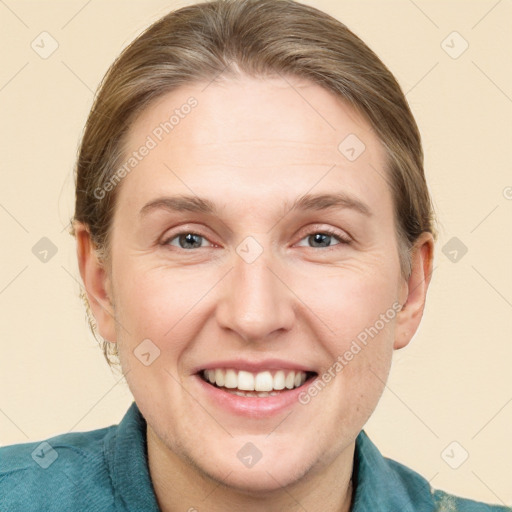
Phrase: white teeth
[300,378]
[245,381]
[219,378]
[231,379]
[264,381]
[255,384]
[279,380]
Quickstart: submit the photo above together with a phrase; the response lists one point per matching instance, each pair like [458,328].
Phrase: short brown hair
[262,38]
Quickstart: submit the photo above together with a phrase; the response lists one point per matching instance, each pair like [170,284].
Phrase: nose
[256,303]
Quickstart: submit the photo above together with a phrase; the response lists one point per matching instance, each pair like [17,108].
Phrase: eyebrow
[304,203]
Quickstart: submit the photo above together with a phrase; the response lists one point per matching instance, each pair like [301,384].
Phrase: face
[251,250]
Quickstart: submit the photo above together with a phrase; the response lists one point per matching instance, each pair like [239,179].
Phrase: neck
[180,485]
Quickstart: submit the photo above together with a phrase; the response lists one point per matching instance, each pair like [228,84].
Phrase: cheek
[352,305]
[351,386]
[162,304]
[356,318]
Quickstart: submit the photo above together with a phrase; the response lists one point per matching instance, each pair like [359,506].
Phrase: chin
[264,478]
[271,467]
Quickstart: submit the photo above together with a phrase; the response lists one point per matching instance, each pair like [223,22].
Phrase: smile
[255,384]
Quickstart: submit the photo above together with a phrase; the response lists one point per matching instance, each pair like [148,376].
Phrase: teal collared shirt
[107,470]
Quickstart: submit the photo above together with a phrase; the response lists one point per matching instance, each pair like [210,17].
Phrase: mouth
[267,383]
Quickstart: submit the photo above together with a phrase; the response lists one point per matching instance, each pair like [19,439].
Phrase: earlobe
[409,318]
[97,283]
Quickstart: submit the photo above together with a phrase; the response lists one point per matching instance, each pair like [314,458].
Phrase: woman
[255,237]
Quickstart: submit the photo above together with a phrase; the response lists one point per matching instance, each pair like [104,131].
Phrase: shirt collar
[126,452]
[383,484]
[379,483]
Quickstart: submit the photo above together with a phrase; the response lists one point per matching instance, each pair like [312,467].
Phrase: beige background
[453,383]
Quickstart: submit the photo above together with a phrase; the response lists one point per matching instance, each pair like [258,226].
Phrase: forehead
[276,134]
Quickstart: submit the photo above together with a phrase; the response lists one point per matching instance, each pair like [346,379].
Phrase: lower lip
[252,406]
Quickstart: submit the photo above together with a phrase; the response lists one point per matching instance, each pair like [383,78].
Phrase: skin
[250,146]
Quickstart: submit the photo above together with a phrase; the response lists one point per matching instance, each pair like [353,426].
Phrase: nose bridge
[256,303]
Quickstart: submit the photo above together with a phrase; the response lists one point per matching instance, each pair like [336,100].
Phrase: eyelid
[177,235]
[342,236]
[184,230]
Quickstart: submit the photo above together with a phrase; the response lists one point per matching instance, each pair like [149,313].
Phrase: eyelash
[342,239]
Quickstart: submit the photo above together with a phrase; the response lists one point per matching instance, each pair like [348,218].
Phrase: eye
[318,239]
[324,239]
[187,240]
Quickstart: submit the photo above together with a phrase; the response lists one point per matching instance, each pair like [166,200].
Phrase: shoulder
[441,500]
[445,502]
[57,473]
[385,484]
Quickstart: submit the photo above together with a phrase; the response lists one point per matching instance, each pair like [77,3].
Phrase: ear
[414,290]
[97,283]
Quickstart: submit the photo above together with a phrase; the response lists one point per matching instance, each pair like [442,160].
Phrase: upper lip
[254,366]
